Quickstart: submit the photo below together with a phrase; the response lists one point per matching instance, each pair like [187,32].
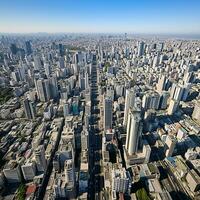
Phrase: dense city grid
[99,116]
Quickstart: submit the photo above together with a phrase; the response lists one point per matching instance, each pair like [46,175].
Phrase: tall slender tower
[129,102]
[107,113]
[140,48]
[134,130]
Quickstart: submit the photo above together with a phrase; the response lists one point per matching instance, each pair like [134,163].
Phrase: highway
[95,143]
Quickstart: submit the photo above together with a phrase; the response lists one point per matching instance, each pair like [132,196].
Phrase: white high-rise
[129,102]
[134,130]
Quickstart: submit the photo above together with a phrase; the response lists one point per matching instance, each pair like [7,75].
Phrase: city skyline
[149,17]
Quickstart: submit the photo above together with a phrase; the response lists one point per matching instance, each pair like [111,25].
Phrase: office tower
[40,158]
[28,170]
[170,145]
[29,109]
[75,107]
[37,63]
[40,90]
[12,172]
[86,80]
[120,180]
[161,84]
[81,82]
[134,130]
[46,86]
[107,113]
[173,106]
[61,49]
[178,93]
[164,99]
[129,103]
[141,48]
[66,109]
[151,101]
[196,111]
[84,140]
[53,86]
[28,48]
[69,172]
[155,61]
[13,49]
[61,62]
[47,69]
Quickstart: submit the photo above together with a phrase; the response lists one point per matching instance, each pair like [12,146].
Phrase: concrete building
[28,170]
[196,111]
[129,103]
[173,106]
[107,113]
[40,158]
[170,145]
[12,172]
[120,180]
[134,130]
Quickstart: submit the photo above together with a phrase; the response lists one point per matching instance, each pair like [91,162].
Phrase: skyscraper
[28,48]
[134,130]
[107,113]
[43,92]
[40,158]
[129,102]
[140,48]
[13,49]
[161,84]
[53,86]
[69,172]
[29,109]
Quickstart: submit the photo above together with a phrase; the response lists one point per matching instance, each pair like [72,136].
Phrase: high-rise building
[40,158]
[47,88]
[107,113]
[47,69]
[28,48]
[173,106]
[37,63]
[61,62]
[66,108]
[69,172]
[120,180]
[134,130]
[196,111]
[28,171]
[141,48]
[29,109]
[129,103]
[13,49]
[53,86]
[161,84]
[164,100]
[86,80]
[151,101]
[170,145]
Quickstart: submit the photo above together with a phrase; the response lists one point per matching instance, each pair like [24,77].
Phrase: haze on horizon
[87,16]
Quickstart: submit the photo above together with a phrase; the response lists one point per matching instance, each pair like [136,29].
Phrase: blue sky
[137,16]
